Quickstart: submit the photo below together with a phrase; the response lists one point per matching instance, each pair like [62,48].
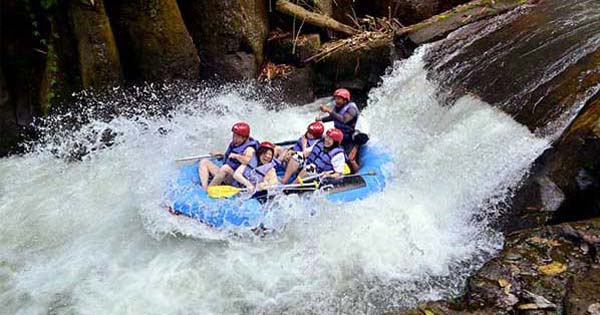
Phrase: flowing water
[89,235]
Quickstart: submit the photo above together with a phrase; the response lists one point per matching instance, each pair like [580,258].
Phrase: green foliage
[47,4]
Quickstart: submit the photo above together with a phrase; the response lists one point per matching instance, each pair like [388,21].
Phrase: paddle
[226,191]
[318,176]
[207,156]
[284,143]
[198,157]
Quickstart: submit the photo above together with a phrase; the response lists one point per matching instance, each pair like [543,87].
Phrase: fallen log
[312,18]
[429,30]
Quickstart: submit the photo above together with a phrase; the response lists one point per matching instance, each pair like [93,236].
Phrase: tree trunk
[316,19]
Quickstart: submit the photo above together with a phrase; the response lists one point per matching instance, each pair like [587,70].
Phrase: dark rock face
[287,50]
[565,182]
[295,87]
[153,41]
[509,67]
[550,270]
[21,68]
[98,56]
[357,70]
[8,124]
[229,35]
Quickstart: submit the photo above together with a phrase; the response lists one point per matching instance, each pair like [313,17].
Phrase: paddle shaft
[284,143]
[368,173]
[206,156]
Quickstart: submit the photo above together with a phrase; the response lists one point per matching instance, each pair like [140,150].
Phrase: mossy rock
[98,56]
[153,41]
[223,29]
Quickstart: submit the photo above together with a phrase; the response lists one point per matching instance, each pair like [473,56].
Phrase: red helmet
[343,93]
[335,134]
[316,129]
[267,144]
[241,129]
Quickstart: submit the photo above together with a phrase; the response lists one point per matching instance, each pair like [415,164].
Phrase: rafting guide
[344,114]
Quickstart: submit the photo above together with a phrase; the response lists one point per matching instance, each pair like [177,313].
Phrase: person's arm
[348,116]
[325,109]
[325,119]
[337,162]
[303,143]
[238,175]
[308,150]
[270,180]
[244,158]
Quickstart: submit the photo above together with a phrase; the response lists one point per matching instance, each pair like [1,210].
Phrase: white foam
[89,236]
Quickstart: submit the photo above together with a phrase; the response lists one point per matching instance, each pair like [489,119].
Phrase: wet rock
[357,69]
[229,35]
[8,124]
[584,293]
[505,78]
[153,41]
[98,56]
[541,271]
[565,181]
[61,76]
[294,87]
[287,50]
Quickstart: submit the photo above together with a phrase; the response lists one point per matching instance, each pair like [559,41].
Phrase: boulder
[8,124]
[229,35]
[357,69]
[549,270]
[61,75]
[99,62]
[584,293]
[565,180]
[153,41]
[289,85]
[22,61]
[287,50]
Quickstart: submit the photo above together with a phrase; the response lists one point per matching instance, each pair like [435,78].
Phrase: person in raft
[327,157]
[344,115]
[240,152]
[300,151]
[260,172]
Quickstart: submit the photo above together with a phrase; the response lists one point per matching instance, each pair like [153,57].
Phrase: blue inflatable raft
[186,196]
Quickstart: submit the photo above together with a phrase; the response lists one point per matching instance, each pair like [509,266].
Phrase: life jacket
[256,173]
[322,158]
[309,142]
[346,128]
[234,164]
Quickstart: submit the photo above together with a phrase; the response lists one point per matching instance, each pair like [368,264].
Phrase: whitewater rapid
[90,237]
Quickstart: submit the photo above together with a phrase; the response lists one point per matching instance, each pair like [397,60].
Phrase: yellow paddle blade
[347,169]
[222,191]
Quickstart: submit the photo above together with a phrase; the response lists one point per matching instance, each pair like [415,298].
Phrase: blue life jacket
[322,158]
[256,173]
[298,146]
[234,164]
[346,128]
